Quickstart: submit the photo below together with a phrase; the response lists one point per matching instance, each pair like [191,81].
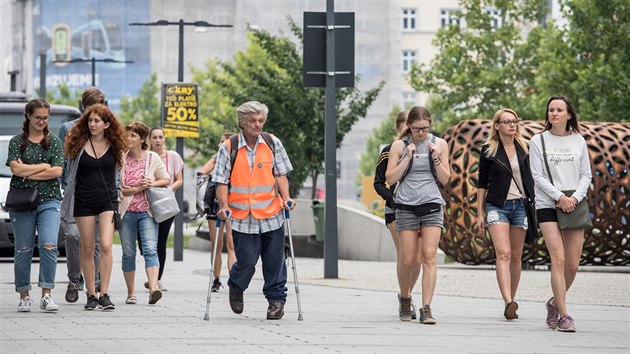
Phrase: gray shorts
[407,220]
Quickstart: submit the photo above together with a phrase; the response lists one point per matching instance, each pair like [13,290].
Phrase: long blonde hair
[493,140]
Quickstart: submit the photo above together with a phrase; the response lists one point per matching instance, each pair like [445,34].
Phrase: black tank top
[90,187]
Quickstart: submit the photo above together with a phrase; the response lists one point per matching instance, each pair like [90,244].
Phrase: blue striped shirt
[223,169]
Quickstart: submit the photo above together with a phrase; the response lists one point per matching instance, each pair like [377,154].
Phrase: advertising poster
[180,110]
[65,30]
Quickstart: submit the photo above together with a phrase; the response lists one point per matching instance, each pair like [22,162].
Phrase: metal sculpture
[608,243]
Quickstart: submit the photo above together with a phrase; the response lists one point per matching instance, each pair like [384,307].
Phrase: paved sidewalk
[356,313]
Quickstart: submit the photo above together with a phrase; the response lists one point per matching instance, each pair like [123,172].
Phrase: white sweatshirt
[570,166]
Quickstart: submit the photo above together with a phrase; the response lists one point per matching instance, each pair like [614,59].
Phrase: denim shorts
[513,212]
[407,220]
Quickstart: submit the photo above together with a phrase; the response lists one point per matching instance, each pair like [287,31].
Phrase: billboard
[65,30]
[180,110]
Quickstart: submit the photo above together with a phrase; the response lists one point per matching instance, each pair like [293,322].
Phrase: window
[495,18]
[409,99]
[408,59]
[408,19]
[449,18]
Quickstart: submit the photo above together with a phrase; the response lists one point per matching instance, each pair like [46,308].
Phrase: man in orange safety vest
[252,190]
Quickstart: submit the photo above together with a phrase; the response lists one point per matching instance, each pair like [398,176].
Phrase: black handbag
[22,199]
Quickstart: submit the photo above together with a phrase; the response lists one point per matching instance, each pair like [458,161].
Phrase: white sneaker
[161,286]
[25,304]
[47,304]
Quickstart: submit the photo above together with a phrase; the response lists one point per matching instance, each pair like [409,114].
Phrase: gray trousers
[73,251]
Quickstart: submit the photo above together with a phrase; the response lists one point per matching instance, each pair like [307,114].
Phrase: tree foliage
[269,70]
[525,60]
[589,59]
[145,106]
[63,95]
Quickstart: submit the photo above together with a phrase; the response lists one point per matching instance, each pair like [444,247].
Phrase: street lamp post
[93,60]
[178,246]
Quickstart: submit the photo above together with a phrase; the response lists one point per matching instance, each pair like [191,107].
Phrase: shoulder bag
[116,219]
[22,199]
[161,199]
[580,217]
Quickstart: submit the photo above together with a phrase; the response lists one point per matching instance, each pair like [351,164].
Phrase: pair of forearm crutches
[287,216]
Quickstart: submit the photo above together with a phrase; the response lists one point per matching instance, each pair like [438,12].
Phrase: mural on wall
[65,30]
[608,243]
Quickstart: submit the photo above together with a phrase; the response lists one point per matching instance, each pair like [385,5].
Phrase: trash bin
[318,216]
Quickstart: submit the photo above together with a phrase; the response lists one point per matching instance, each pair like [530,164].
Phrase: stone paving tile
[340,316]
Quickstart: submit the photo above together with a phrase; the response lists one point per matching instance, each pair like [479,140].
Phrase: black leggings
[163,230]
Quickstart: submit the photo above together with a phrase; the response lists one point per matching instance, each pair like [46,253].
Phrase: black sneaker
[72,294]
[92,302]
[105,303]
[216,285]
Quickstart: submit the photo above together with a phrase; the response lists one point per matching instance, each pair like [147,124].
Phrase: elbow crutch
[206,317]
[287,216]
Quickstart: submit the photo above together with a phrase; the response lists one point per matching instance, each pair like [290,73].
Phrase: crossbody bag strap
[542,140]
[102,177]
[512,175]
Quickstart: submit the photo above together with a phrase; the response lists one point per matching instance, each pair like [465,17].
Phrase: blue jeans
[512,212]
[134,223]
[269,246]
[45,220]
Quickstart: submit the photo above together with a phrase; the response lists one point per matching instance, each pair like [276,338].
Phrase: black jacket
[499,176]
[379,178]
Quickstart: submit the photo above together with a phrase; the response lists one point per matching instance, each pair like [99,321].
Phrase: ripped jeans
[45,220]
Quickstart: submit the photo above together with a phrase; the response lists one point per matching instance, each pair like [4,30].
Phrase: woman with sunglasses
[35,158]
[418,163]
[505,181]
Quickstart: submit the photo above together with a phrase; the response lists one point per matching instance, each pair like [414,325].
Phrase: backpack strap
[432,164]
[406,141]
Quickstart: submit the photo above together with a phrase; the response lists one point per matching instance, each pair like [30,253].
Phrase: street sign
[180,110]
[314,71]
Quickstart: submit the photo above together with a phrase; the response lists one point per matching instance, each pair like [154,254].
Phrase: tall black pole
[93,71]
[331,251]
[178,244]
[42,75]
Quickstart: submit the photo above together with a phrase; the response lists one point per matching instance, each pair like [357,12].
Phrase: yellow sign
[180,110]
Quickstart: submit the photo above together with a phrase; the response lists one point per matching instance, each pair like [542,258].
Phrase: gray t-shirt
[419,186]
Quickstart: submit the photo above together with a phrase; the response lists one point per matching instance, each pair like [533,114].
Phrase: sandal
[131,300]
[510,310]
[155,296]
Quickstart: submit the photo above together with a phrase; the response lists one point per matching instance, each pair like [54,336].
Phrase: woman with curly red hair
[94,149]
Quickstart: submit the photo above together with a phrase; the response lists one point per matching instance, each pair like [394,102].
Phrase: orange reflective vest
[253,191]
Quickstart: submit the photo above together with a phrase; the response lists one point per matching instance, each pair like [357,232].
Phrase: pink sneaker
[565,324]
[552,315]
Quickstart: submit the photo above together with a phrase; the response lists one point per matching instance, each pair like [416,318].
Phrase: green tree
[523,62]
[269,70]
[485,63]
[145,106]
[63,95]
[589,59]
[383,134]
